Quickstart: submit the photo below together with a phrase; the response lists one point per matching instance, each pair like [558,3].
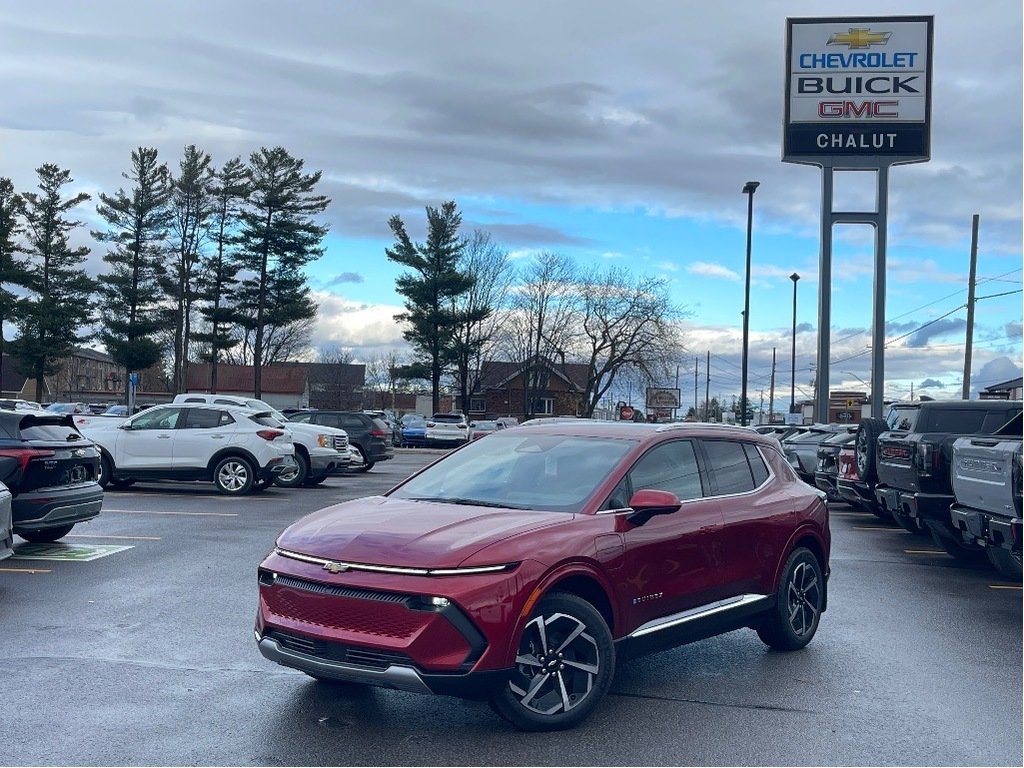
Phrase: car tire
[261,485]
[866,448]
[1006,562]
[970,554]
[567,635]
[794,620]
[361,464]
[120,485]
[234,476]
[315,480]
[47,535]
[296,478]
[106,471]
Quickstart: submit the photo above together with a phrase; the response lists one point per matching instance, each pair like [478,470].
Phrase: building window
[477,405]
[543,406]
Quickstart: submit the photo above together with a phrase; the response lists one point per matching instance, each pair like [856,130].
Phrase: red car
[520,569]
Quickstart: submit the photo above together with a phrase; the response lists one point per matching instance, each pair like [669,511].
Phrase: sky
[618,134]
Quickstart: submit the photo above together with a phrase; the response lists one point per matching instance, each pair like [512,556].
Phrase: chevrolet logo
[859,38]
[336,567]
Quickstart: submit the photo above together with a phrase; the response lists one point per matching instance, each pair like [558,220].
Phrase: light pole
[748,189]
[858,378]
[792,372]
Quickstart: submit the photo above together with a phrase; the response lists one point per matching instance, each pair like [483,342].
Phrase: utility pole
[966,395]
[771,395]
[707,388]
[696,405]
[760,410]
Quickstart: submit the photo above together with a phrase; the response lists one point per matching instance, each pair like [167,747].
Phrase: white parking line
[155,512]
[110,536]
[24,570]
[1005,586]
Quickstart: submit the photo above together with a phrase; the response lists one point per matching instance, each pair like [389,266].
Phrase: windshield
[520,471]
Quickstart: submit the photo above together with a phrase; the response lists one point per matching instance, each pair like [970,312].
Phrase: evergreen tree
[229,191]
[137,226]
[12,269]
[61,303]
[191,206]
[279,237]
[432,288]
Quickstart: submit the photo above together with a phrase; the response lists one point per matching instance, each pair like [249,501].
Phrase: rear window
[902,419]
[265,420]
[447,418]
[33,429]
[957,421]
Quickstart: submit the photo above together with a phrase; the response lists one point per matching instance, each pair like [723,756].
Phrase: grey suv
[369,439]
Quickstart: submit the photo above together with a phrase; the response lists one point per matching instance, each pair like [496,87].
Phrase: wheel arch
[231,452]
[809,539]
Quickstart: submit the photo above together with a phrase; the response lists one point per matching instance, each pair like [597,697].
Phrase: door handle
[163,437]
[217,437]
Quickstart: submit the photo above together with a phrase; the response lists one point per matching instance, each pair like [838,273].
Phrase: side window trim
[713,478]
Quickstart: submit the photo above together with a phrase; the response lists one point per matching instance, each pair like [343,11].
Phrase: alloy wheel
[804,596]
[557,664]
[233,476]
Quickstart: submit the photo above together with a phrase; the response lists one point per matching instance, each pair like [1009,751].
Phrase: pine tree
[138,222]
[61,303]
[279,237]
[431,289]
[12,268]
[191,207]
[229,191]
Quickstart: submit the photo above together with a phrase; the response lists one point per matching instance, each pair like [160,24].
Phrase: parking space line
[110,536]
[24,570]
[876,528]
[925,551]
[1005,586]
[155,512]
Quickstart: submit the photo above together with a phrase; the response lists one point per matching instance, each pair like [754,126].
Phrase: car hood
[383,531]
[312,430]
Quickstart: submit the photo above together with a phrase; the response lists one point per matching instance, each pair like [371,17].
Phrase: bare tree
[334,353]
[384,373]
[478,309]
[539,326]
[281,343]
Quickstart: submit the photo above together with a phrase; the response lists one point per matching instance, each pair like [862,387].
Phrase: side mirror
[648,502]
[472,423]
[125,425]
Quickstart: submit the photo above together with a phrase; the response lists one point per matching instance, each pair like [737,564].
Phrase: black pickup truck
[913,459]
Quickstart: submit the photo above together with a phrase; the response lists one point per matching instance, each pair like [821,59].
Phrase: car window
[302,418]
[349,422]
[995,420]
[447,418]
[266,420]
[35,428]
[206,418]
[194,400]
[757,466]
[728,463]
[955,420]
[159,418]
[902,419]
[669,467]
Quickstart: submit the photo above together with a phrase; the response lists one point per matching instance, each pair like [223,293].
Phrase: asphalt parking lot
[144,654]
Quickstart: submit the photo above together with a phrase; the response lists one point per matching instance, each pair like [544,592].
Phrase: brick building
[502,388]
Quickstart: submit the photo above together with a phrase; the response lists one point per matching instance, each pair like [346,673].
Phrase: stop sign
[626,413]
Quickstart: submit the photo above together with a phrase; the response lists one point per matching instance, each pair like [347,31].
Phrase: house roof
[496,373]
[281,378]
[338,374]
[1006,385]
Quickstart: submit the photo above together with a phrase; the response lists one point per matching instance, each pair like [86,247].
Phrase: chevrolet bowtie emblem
[859,38]
[336,567]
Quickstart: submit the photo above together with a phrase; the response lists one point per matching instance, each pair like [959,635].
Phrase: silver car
[6,523]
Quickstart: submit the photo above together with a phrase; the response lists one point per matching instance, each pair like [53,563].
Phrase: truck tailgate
[983,473]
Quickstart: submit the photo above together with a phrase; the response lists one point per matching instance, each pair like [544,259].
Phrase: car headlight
[324,441]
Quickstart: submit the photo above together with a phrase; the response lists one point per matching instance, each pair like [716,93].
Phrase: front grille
[330,589]
[323,649]
[341,442]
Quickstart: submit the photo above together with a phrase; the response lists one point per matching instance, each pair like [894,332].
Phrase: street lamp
[748,189]
[792,372]
[858,378]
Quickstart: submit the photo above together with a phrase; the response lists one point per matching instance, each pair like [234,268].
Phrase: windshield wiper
[466,502]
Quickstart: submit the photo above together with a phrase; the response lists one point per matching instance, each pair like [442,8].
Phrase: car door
[202,433]
[149,442]
[757,514]
[672,562]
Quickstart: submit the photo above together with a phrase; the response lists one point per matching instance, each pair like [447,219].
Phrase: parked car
[913,460]
[801,449]
[987,481]
[239,450]
[482,428]
[447,429]
[523,567]
[319,451]
[51,471]
[120,411]
[826,473]
[392,423]
[6,523]
[369,438]
[68,408]
[17,404]
[414,431]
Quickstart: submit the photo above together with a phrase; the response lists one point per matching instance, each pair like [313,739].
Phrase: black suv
[51,471]
[369,439]
[912,460]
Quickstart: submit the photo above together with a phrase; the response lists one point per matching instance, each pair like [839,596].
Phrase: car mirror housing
[648,502]
[125,425]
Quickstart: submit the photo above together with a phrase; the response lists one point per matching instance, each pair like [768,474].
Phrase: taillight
[270,434]
[376,433]
[1018,471]
[25,455]
[928,458]
[431,424]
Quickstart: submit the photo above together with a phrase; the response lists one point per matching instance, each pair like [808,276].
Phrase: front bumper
[977,527]
[276,466]
[827,483]
[328,463]
[6,529]
[922,506]
[53,507]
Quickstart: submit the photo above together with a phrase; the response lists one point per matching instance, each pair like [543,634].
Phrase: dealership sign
[858,87]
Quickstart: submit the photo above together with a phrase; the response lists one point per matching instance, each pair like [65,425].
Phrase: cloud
[1014,330]
[931,384]
[711,270]
[346,277]
[941,328]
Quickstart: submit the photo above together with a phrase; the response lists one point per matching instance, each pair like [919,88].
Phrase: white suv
[320,451]
[446,429]
[237,449]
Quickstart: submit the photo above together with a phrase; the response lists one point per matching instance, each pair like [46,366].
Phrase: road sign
[133,379]
[626,413]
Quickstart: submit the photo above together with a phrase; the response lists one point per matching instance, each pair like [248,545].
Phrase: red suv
[521,568]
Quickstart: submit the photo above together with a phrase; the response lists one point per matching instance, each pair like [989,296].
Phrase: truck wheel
[47,535]
[866,448]
[296,476]
[1006,562]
